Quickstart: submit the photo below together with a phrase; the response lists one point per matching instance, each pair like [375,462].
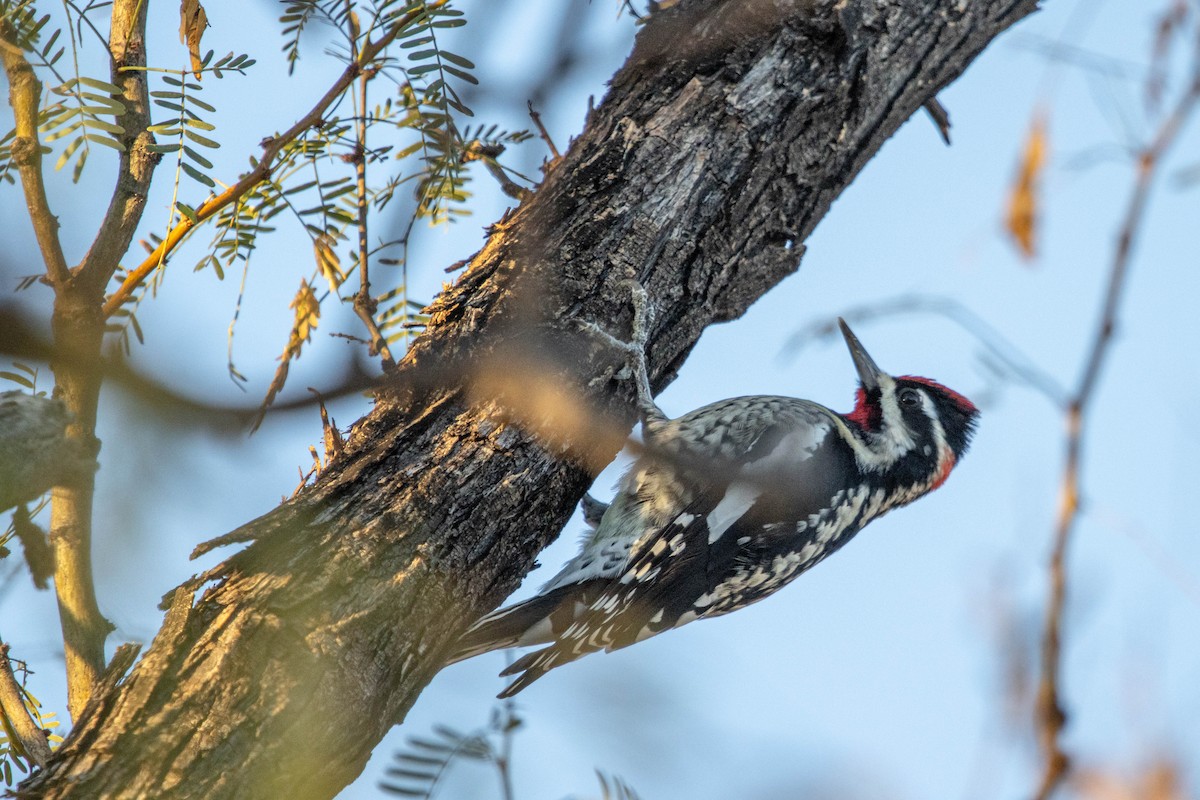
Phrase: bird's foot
[635,355]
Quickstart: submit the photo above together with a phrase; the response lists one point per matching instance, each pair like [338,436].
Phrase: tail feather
[531,667]
[534,621]
[536,664]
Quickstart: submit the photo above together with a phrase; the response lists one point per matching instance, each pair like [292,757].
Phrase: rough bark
[721,144]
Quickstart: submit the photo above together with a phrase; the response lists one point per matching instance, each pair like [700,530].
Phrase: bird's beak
[867,371]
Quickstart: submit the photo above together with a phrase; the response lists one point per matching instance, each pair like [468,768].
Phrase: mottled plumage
[731,502]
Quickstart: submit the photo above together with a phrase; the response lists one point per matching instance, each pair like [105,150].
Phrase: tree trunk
[722,143]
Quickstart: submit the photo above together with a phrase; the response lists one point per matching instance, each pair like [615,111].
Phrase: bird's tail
[532,666]
[533,621]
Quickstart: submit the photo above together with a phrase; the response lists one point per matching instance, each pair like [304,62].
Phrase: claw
[635,354]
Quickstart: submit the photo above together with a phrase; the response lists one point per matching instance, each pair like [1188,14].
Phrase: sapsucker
[728,504]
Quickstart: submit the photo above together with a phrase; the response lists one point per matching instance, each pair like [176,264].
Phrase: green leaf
[199,159]
[197,175]
[67,153]
[456,59]
[411,43]
[403,791]
[454,103]
[196,101]
[79,162]
[97,110]
[408,151]
[201,124]
[200,140]
[63,132]
[188,212]
[101,85]
[104,100]
[300,188]
[20,380]
[109,127]
[104,140]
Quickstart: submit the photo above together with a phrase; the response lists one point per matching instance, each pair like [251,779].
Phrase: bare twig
[941,118]
[1051,717]
[1016,363]
[12,704]
[364,304]
[508,723]
[488,153]
[545,134]
[272,147]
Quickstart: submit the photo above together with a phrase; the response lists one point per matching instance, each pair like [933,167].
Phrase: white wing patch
[738,499]
[794,448]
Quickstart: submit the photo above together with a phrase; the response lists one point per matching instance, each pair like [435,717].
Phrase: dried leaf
[307,314]
[328,261]
[192,22]
[1021,219]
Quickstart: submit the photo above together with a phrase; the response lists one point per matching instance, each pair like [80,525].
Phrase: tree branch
[30,738]
[1051,717]
[700,175]
[25,96]
[127,48]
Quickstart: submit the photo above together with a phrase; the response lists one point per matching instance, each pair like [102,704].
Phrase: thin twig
[364,304]
[1051,718]
[272,147]
[1018,364]
[503,759]
[545,134]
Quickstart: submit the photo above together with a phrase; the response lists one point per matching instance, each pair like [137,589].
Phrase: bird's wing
[740,513]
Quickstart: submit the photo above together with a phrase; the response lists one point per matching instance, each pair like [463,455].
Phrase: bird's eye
[910,398]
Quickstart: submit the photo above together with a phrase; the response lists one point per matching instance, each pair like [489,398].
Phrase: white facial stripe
[884,448]
[945,453]
[880,451]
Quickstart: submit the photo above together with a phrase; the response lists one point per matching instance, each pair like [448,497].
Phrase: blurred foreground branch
[35,453]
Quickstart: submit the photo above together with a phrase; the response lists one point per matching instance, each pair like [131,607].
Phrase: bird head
[908,414]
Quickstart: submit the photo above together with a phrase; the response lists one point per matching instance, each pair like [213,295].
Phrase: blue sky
[880,674]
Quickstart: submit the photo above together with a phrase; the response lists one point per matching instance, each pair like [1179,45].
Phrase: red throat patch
[947,462]
[866,415]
